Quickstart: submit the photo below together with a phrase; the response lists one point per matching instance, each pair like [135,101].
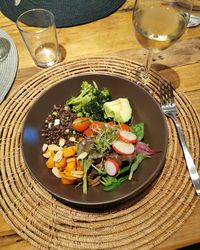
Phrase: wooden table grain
[114,36]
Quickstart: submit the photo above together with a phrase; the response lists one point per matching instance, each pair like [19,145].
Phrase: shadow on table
[63,53]
[192,247]
[168,73]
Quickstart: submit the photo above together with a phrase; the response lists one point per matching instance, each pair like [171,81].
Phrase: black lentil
[52,131]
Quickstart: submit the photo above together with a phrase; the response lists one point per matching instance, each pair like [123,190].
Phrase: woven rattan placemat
[47,224]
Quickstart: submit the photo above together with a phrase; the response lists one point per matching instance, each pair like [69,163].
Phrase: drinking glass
[158,24]
[37,28]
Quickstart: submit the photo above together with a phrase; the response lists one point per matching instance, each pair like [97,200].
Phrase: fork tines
[166,93]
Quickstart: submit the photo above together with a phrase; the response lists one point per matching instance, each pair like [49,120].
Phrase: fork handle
[189,161]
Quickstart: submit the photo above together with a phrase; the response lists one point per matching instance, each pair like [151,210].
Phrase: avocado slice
[119,109]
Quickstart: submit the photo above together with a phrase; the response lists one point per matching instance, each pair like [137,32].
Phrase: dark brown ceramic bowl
[145,109]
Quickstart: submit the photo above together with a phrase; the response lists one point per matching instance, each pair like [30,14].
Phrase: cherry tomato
[88,132]
[111,124]
[123,126]
[81,124]
[96,126]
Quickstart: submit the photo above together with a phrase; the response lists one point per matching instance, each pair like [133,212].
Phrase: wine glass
[158,24]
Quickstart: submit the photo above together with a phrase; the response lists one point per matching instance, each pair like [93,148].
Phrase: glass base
[46,65]
[142,73]
[194,21]
[143,78]
[47,58]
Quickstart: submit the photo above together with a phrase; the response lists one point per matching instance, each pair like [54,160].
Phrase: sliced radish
[123,148]
[111,167]
[127,136]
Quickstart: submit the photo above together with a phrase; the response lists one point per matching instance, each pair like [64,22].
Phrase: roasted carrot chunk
[79,167]
[67,175]
[67,181]
[62,163]
[69,151]
[71,166]
[50,162]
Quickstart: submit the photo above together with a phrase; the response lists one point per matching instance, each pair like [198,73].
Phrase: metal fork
[168,106]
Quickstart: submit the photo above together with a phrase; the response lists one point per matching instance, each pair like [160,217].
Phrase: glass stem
[149,60]
[143,71]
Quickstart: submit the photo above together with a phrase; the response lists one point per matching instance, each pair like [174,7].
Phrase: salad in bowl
[92,140]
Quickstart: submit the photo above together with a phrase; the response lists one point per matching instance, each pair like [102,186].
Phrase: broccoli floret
[84,97]
[94,109]
[87,93]
[105,95]
[90,101]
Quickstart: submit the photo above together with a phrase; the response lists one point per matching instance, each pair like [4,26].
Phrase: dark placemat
[66,12]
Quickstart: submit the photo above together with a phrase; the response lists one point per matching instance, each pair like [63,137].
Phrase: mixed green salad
[106,146]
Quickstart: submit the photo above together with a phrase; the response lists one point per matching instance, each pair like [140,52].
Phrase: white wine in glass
[158,24]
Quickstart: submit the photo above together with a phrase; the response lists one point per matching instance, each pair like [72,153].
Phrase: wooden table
[114,36]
